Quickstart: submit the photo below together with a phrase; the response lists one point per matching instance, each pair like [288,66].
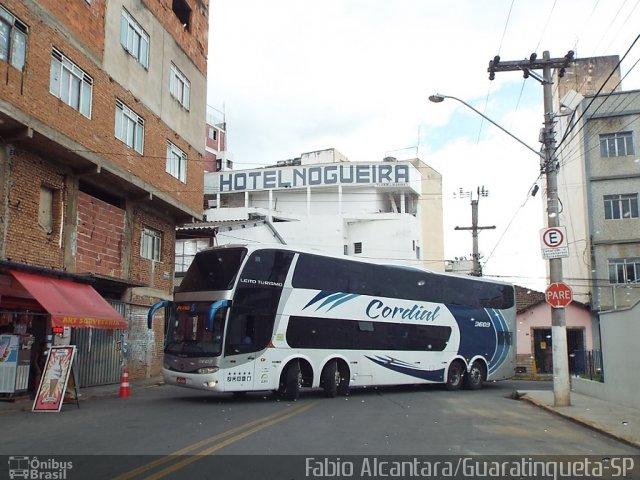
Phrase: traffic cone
[125,391]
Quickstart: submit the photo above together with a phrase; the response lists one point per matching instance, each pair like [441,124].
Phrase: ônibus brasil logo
[38,469]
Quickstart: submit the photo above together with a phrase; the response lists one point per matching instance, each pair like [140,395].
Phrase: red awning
[71,304]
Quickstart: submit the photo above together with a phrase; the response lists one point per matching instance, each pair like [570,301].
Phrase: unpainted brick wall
[27,242]
[100,237]
[158,275]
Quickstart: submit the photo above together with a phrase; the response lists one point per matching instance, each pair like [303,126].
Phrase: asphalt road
[169,432]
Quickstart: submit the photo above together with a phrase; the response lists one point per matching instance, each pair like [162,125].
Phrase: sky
[295,76]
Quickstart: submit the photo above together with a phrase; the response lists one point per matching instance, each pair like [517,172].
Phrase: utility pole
[549,166]
[477,270]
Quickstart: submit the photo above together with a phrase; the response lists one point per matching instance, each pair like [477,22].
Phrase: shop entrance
[98,356]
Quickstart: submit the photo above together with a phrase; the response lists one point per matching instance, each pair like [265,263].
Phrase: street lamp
[439,98]
[561,387]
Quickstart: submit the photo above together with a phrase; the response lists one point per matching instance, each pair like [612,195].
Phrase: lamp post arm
[541,155]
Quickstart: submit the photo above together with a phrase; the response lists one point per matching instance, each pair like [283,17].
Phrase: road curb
[581,421]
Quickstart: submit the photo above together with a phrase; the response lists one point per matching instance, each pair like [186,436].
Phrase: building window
[186,250]
[357,247]
[70,83]
[624,270]
[129,127]
[176,162]
[13,39]
[179,86]
[150,244]
[183,12]
[621,206]
[616,144]
[134,39]
[213,134]
[45,210]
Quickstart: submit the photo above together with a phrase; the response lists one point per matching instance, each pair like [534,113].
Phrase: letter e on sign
[559,295]
[553,241]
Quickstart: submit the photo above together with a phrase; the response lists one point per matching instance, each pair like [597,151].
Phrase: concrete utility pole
[477,270]
[549,166]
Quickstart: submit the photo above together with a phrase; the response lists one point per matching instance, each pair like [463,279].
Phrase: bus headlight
[208,370]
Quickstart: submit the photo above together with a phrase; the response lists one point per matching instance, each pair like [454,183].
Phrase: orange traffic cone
[125,391]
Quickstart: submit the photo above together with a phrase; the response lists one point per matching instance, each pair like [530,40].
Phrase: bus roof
[375,261]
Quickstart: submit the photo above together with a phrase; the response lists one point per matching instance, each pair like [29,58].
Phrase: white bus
[256,317]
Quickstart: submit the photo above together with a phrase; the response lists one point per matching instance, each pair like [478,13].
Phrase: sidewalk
[25,403]
[612,419]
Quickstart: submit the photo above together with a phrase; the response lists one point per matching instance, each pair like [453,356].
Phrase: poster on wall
[53,384]
[8,362]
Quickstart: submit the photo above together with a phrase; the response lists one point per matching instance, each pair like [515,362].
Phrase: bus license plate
[181,380]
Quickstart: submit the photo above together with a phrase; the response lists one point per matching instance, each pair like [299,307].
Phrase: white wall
[258,234]
[388,238]
[620,330]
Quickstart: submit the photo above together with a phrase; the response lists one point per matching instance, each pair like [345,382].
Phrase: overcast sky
[294,76]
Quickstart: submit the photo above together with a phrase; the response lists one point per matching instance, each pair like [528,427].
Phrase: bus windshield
[213,270]
[193,333]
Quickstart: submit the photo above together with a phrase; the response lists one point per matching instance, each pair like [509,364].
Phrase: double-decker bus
[258,317]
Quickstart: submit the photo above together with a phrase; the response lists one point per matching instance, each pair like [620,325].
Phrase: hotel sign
[378,174]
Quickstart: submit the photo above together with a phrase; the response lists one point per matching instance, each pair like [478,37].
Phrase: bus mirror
[213,309]
[154,308]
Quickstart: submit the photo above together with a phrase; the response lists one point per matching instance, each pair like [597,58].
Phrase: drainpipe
[5,168]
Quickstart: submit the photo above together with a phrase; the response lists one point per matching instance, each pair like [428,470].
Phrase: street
[170,432]
[420,420]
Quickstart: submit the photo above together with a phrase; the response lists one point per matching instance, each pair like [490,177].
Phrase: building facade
[599,183]
[534,342]
[216,157]
[389,210]
[101,156]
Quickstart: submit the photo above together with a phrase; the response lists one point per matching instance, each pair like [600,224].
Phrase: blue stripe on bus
[407,369]
[330,297]
[344,299]
[318,297]
[502,349]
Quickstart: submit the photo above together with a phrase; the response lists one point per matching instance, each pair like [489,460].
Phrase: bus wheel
[475,377]
[343,384]
[455,376]
[330,378]
[291,381]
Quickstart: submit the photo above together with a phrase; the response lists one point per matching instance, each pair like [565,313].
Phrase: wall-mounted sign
[379,174]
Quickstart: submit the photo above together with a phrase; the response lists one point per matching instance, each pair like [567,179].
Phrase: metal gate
[99,353]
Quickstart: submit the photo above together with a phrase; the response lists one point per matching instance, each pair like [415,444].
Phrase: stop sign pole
[549,165]
[561,386]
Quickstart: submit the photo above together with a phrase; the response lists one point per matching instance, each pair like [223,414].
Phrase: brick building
[102,114]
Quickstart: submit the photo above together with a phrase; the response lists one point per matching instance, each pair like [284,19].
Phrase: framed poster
[8,363]
[53,383]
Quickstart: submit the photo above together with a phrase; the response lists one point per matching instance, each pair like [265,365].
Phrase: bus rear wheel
[330,378]
[475,377]
[291,381]
[455,375]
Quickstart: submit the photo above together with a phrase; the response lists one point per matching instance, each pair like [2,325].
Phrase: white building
[389,210]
